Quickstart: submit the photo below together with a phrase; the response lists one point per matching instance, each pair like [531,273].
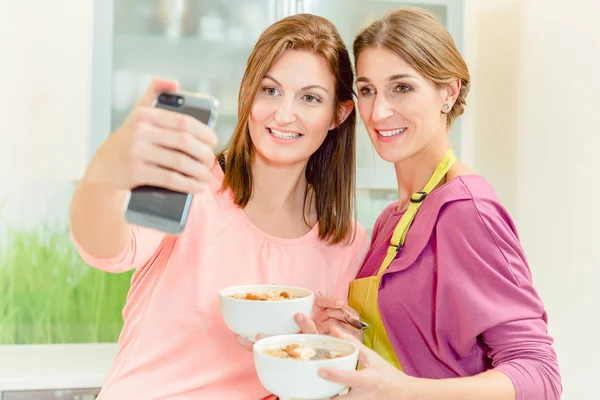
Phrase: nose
[285,113]
[381,109]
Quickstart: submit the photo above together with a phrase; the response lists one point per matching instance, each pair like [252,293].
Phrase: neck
[277,187]
[413,173]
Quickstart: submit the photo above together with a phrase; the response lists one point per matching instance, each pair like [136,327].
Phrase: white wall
[45,66]
[492,52]
[533,125]
[558,148]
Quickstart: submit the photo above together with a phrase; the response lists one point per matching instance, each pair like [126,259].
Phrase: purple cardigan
[458,299]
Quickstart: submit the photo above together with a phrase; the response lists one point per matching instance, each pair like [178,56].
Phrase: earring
[446,107]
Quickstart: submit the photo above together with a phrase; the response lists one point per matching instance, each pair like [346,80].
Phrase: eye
[367,91]
[311,99]
[271,91]
[402,88]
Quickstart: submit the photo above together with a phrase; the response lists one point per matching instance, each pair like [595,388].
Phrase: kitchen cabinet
[54,371]
[58,394]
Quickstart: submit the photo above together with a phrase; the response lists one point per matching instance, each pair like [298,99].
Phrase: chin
[282,160]
[387,154]
[394,157]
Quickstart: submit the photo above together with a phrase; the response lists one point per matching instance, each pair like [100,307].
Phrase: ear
[450,93]
[344,110]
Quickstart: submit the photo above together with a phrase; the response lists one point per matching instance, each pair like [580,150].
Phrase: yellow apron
[364,292]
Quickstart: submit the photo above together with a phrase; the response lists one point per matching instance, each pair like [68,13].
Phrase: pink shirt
[174,343]
[459,299]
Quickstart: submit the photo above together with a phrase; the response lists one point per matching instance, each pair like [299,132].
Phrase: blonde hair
[419,39]
[331,169]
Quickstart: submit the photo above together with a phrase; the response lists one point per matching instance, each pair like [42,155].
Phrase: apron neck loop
[416,200]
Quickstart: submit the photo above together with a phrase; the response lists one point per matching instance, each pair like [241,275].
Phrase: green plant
[49,295]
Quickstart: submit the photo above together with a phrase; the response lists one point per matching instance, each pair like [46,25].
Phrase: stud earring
[446,107]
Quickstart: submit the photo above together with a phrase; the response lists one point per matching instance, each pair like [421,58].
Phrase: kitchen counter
[61,366]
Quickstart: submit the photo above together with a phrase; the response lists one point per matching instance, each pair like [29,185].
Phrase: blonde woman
[445,288]
[277,207]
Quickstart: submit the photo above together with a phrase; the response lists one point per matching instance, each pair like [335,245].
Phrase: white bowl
[249,318]
[298,379]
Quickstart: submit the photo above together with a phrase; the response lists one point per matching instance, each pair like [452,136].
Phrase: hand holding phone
[156,147]
[181,158]
[173,144]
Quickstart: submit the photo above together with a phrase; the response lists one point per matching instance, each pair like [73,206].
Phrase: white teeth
[284,135]
[392,133]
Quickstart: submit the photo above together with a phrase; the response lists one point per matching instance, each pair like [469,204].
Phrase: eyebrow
[267,76]
[391,78]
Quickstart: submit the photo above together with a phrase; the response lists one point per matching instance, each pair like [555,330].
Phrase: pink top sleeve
[488,294]
[142,244]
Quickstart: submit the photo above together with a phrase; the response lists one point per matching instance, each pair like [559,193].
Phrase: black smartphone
[163,209]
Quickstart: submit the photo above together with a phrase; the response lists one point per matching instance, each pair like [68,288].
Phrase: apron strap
[415,202]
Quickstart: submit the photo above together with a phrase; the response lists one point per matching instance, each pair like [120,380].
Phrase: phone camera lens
[177,101]
[170,100]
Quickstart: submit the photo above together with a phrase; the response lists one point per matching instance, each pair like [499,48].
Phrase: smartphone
[163,209]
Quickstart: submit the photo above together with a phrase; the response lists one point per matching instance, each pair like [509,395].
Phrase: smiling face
[294,108]
[401,109]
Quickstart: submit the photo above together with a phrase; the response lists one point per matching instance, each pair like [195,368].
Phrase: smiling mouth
[283,135]
[391,133]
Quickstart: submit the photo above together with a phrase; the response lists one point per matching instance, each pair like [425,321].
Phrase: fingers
[176,140]
[178,122]
[327,313]
[245,343]
[333,303]
[345,315]
[329,302]
[155,87]
[353,378]
[149,174]
[178,162]
[328,326]
[306,324]
[178,156]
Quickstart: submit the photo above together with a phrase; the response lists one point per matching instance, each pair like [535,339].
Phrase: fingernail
[242,340]
[323,373]
[300,317]
[339,303]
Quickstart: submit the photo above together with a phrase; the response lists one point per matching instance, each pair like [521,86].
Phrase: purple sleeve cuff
[532,379]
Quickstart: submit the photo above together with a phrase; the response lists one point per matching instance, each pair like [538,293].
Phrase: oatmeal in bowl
[264,309]
[288,365]
[296,351]
[263,296]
